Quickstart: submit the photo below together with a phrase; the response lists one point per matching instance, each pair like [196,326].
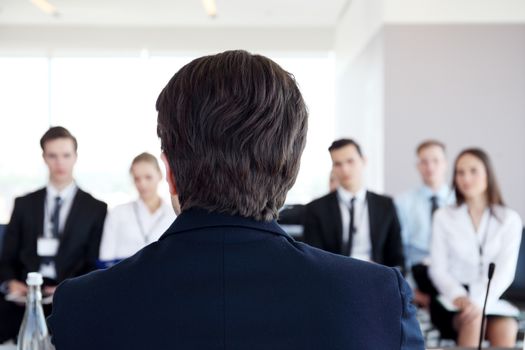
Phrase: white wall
[462,84]
[112,40]
[359,106]
[450,69]
[453,11]
[361,21]
[359,83]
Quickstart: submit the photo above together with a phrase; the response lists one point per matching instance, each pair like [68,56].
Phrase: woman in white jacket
[466,238]
[131,226]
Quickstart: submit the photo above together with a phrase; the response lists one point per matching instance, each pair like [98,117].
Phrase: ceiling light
[210,6]
[46,7]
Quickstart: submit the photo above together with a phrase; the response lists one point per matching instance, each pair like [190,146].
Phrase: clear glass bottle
[33,334]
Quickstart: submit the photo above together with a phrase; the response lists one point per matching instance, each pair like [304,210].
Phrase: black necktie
[434,205]
[55,218]
[351,229]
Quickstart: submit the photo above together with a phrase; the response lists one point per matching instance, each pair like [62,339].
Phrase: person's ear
[170,178]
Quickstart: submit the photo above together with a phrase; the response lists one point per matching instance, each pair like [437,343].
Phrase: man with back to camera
[225,275]
[416,208]
[55,230]
[352,221]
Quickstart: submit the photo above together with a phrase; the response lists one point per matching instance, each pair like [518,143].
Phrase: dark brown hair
[57,132]
[147,158]
[493,193]
[337,144]
[233,127]
[430,143]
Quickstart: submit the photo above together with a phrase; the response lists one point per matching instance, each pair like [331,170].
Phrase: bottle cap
[34,279]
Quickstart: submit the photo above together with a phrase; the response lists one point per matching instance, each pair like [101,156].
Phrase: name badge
[47,246]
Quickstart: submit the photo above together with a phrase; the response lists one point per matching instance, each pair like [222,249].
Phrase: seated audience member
[55,231]
[225,275]
[352,221]
[131,226]
[416,208]
[291,217]
[466,238]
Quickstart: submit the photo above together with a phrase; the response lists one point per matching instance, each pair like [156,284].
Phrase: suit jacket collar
[196,218]
[74,214]
[373,222]
[39,207]
[38,211]
[374,215]
[335,211]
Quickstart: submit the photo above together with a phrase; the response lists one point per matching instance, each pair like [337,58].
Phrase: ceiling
[175,13]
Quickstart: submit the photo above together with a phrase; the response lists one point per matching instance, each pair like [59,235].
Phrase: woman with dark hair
[466,238]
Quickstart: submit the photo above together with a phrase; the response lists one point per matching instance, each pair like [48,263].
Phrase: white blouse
[460,256]
[130,227]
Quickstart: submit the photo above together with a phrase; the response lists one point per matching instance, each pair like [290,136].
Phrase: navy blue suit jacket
[215,281]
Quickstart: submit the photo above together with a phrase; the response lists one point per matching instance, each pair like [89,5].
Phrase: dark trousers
[441,318]
[424,284]
[11,315]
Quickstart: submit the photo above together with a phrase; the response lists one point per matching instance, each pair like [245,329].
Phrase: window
[108,103]
[24,92]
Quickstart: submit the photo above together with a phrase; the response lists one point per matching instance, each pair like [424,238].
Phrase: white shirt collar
[464,207]
[144,208]
[66,193]
[346,196]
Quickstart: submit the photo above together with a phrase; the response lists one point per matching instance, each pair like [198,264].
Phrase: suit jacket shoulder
[216,283]
[380,199]
[333,302]
[322,201]
[88,198]
[30,197]
[41,193]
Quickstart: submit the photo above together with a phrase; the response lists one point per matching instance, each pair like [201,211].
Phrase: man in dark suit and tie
[352,221]
[225,275]
[55,230]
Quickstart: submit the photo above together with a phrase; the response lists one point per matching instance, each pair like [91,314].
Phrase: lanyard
[143,232]
[481,245]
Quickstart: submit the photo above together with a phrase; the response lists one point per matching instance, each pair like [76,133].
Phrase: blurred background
[388,73]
